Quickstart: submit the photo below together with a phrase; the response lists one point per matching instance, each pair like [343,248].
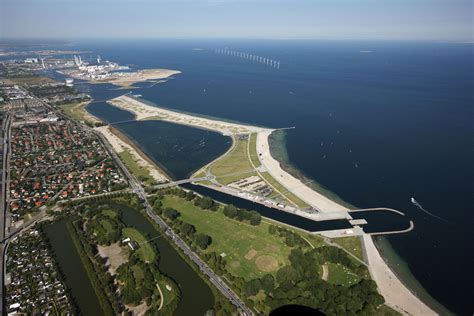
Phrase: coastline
[144,111]
[396,294]
[121,143]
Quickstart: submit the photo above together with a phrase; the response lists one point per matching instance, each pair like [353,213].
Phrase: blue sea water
[376,122]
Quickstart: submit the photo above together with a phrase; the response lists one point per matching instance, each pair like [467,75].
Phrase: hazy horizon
[432,20]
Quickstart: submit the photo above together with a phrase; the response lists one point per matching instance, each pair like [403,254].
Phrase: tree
[206,203]
[188,229]
[268,283]
[157,204]
[171,213]
[255,218]
[272,229]
[203,241]
[252,287]
[230,211]
[190,195]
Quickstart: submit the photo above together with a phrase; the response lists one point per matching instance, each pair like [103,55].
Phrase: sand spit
[144,111]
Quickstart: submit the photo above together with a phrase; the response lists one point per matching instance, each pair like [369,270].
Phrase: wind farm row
[259,59]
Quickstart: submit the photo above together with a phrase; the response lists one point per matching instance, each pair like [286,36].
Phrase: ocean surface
[377,123]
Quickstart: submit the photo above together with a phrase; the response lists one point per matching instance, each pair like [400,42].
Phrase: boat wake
[418,205]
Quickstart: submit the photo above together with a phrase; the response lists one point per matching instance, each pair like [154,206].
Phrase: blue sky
[278,19]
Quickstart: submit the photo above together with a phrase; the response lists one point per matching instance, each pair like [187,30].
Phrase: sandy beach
[144,111]
[119,146]
[394,291]
[127,79]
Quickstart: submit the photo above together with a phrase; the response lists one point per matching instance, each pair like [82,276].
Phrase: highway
[6,130]
[214,278]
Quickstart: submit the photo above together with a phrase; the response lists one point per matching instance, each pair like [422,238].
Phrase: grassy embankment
[351,244]
[141,173]
[233,166]
[241,162]
[77,111]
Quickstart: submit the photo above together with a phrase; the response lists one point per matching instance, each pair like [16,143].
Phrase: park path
[325,275]
[161,295]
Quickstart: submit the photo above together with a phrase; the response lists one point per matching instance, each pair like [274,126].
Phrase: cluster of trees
[102,282]
[291,239]
[300,283]
[206,203]
[138,281]
[242,215]
[185,230]
[216,262]
[105,230]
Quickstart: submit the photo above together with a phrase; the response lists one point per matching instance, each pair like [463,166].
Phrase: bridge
[178,182]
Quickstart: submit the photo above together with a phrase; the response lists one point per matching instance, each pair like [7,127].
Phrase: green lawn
[236,164]
[133,166]
[168,295]
[253,150]
[250,251]
[107,226]
[351,244]
[278,186]
[109,213]
[340,275]
[146,251]
[77,111]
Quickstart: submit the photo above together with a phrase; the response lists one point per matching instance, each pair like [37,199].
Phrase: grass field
[77,111]
[134,168]
[236,164]
[109,213]
[146,251]
[351,244]
[168,295]
[278,186]
[31,80]
[253,150]
[250,251]
[340,275]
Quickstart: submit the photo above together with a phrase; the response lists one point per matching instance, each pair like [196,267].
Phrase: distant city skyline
[279,19]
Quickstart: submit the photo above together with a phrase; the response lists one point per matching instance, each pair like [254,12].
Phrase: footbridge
[178,182]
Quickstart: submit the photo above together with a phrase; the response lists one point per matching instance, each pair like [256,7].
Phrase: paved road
[172,184]
[214,278]
[138,189]
[6,128]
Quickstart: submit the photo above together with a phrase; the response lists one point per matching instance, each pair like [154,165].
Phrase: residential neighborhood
[33,282]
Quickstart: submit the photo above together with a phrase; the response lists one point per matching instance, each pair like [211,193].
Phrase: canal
[196,296]
[76,277]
